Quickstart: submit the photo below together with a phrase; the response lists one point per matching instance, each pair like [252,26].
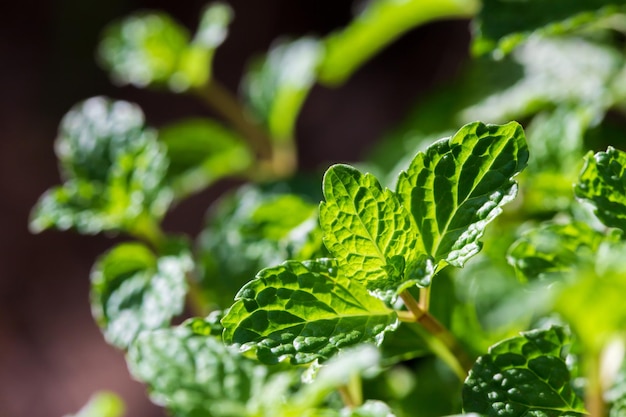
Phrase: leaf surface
[133,290]
[459,185]
[102,404]
[602,182]
[524,375]
[303,312]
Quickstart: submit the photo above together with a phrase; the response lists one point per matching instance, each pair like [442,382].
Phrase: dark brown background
[52,355]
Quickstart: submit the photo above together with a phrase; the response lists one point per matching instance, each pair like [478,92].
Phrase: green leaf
[202,151]
[276,86]
[194,375]
[371,408]
[303,312]
[552,248]
[602,183]
[207,326]
[150,48]
[133,290]
[380,23]
[525,375]
[459,185]
[248,231]
[370,233]
[113,170]
[102,404]
[502,25]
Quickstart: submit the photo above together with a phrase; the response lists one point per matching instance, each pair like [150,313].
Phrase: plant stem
[462,363]
[424,300]
[352,393]
[594,393]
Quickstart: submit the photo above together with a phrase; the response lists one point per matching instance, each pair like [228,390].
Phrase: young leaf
[602,182]
[502,25]
[459,185]
[102,404]
[303,312]
[133,290]
[553,248]
[275,87]
[525,375]
[378,24]
[370,233]
[194,375]
[202,151]
[114,171]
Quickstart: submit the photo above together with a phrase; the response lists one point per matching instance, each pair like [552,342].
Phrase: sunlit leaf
[525,375]
[602,183]
[102,404]
[459,185]
[134,290]
[303,312]
[114,172]
[194,375]
[377,25]
[502,24]
[276,85]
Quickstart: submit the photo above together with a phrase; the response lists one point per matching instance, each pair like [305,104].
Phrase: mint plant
[478,270]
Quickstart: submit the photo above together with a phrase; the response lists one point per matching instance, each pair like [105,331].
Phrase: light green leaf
[102,404]
[202,151]
[602,183]
[114,171]
[194,375]
[134,290]
[371,408]
[276,86]
[207,326]
[303,312]
[370,233]
[459,185]
[552,248]
[502,25]
[378,24]
[525,375]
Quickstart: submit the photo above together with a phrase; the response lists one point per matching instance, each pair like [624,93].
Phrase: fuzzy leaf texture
[194,375]
[459,185]
[303,311]
[503,24]
[134,290]
[524,375]
[370,232]
[113,168]
[602,183]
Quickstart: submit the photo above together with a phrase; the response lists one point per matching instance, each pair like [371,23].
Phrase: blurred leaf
[134,290]
[202,151]
[503,24]
[303,312]
[194,375]
[150,48]
[248,231]
[552,248]
[371,408]
[377,25]
[102,404]
[206,326]
[276,85]
[459,185]
[370,232]
[602,183]
[113,170]
[525,375]
[406,342]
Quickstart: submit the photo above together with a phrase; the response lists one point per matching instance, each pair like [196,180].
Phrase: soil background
[52,355]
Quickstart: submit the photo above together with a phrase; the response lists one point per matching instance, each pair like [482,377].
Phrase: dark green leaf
[133,290]
[378,24]
[459,185]
[303,312]
[194,375]
[503,24]
[202,151]
[602,182]
[114,171]
[525,375]
[102,404]
[275,87]
[370,233]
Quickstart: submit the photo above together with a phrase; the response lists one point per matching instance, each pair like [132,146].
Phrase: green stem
[352,393]
[147,230]
[449,350]
[425,298]
[594,393]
